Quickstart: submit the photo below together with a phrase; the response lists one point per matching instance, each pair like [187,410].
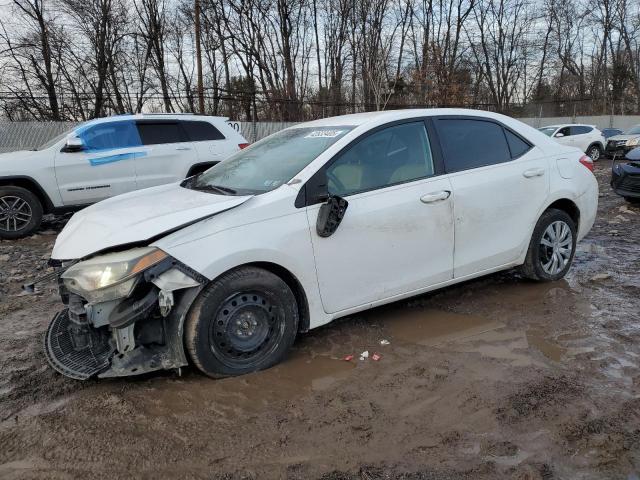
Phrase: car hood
[137,217]
[622,137]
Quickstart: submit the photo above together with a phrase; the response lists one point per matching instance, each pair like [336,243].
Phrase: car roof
[156,116]
[357,119]
[562,125]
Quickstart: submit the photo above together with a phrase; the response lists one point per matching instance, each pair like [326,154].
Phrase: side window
[199,131]
[154,133]
[517,145]
[469,143]
[394,155]
[580,130]
[566,131]
[109,136]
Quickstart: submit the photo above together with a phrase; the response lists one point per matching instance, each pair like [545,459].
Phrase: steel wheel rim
[595,153]
[15,213]
[556,247]
[247,328]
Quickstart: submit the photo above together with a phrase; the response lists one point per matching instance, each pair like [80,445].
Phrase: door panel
[495,210]
[389,242]
[397,232]
[106,166]
[168,153]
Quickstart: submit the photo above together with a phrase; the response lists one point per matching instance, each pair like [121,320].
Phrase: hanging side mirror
[73,144]
[330,215]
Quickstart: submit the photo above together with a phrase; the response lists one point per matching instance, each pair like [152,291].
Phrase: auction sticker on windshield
[324,133]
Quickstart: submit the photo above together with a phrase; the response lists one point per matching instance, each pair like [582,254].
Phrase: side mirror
[559,135]
[330,215]
[73,144]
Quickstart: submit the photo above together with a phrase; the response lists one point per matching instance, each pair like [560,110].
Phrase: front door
[397,234]
[104,167]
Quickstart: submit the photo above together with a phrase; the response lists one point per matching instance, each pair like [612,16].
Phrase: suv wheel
[244,321]
[594,152]
[20,212]
[552,247]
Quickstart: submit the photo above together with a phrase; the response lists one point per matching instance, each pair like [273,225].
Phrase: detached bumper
[617,150]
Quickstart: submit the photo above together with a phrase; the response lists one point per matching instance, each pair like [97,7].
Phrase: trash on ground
[364,355]
[375,357]
[347,358]
[384,342]
[600,276]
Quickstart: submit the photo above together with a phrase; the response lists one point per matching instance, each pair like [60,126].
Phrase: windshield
[548,131]
[633,130]
[268,163]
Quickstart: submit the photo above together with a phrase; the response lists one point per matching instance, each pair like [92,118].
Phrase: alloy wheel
[15,213]
[556,247]
[594,153]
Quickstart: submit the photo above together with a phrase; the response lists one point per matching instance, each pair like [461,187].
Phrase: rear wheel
[20,212]
[595,152]
[244,321]
[552,247]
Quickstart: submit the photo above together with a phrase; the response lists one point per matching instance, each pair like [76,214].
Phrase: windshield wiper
[215,188]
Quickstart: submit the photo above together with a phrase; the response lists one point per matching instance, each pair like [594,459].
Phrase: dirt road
[495,378]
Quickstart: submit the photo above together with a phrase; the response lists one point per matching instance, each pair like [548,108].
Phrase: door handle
[183,148]
[533,172]
[435,196]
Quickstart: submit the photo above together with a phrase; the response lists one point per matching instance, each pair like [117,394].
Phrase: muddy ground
[494,378]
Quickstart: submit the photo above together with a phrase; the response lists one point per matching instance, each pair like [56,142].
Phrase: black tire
[539,254]
[20,212]
[263,312]
[594,152]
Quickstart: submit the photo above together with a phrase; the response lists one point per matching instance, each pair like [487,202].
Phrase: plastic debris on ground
[384,342]
[364,355]
[348,358]
[375,357]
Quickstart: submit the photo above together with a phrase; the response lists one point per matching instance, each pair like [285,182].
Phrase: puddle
[247,394]
[551,350]
[432,327]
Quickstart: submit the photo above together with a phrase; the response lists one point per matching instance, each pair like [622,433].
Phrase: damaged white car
[315,222]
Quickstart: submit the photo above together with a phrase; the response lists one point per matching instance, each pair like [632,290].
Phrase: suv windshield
[548,131]
[268,163]
[633,130]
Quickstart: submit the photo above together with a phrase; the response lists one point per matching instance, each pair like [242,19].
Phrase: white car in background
[315,222]
[105,157]
[585,137]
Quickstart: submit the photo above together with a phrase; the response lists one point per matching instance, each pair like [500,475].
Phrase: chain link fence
[28,135]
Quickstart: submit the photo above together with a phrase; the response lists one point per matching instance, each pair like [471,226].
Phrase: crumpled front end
[124,315]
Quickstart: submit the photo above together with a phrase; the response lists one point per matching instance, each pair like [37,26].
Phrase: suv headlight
[633,142]
[111,276]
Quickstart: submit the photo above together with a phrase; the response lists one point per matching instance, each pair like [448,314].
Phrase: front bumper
[625,179]
[618,150]
[129,336]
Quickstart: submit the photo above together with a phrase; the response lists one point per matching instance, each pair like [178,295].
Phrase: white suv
[586,137]
[106,157]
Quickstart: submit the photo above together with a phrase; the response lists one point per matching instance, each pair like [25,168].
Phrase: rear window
[154,133]
[200,131]
[517,145]
[468,143]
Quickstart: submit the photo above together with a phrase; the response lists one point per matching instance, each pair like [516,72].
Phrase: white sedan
[318,221]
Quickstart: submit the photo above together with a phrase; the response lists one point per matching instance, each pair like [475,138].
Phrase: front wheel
[20,212]
[594,152]
[244,321]
[552,247]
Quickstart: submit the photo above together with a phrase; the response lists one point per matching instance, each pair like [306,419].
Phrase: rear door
[565,139]
[167,152]
[105,167]
[500,182]
[208,141]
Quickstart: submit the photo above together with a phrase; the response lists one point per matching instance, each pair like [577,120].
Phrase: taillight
[243,145]
[587,162]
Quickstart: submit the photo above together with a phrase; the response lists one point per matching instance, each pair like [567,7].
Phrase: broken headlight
[111,276]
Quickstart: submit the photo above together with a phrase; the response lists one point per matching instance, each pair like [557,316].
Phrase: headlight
[633,141]
[110,276]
